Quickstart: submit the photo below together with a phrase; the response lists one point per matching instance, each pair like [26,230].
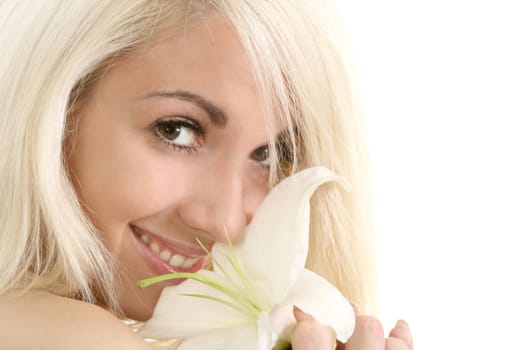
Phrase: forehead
[204,55]
[205,58]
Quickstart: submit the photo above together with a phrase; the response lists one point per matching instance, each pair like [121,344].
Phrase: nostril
[249,218]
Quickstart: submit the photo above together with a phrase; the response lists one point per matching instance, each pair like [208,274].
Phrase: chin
[139,304]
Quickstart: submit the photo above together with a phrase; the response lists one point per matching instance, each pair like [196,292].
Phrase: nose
[220,205]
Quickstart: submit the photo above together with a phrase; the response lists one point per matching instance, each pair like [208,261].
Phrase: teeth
[165,255]
[175,260]
[155,248]
[189,263]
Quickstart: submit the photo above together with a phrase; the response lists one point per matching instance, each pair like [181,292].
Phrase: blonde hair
[50,53]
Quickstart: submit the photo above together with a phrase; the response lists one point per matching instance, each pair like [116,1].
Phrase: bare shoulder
[45,321]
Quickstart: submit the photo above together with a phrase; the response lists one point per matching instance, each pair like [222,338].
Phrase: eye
[261,155]
[179,133]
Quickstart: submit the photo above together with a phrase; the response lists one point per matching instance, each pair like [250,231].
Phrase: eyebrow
[216,115]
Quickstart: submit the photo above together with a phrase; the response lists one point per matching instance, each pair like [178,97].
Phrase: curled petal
[317,297]
[276,243]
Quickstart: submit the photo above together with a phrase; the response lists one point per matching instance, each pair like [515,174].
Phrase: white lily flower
[247,301]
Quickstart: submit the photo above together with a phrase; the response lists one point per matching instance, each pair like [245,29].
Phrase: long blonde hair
[51,51]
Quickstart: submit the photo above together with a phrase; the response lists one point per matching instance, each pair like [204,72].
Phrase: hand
[368,335]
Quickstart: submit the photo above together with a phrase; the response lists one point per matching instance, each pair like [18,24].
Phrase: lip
[161,267]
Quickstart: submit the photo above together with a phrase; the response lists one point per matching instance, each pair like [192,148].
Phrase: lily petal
[177,315]
[276,242]
[226,262]
[274,325]
[224,339]
[317,297]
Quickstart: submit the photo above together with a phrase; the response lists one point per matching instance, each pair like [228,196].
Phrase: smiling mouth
[164,257]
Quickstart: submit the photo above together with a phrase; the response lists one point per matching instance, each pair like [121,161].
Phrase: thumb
[308,334]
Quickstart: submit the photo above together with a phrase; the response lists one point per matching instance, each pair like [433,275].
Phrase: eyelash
[179,123]
[197,130]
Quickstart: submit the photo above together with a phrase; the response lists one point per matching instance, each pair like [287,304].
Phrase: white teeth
[165,255]
[177,260]
[155,248]
[189,263]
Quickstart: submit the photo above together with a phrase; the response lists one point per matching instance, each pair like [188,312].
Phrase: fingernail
[402,323]
[300,315]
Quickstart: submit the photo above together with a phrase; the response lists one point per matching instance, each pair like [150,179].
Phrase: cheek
[119,178]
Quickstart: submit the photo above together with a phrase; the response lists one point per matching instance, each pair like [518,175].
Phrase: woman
[130,128]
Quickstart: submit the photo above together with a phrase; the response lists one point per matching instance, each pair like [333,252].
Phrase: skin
[129,175]
[41,320]
[368,335]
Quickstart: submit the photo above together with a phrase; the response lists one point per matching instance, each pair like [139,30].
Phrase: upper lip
[175,245]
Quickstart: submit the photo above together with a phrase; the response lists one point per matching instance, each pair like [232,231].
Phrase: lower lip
[161,267]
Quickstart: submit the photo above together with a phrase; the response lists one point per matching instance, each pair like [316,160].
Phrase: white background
[443,83]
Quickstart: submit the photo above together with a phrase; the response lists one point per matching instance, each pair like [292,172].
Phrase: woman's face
[171,147]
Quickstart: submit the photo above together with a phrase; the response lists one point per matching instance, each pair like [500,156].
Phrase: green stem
[249,306]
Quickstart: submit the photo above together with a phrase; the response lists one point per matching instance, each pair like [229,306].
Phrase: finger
[368,334]
[310,335]
[357,312]
[395,344]
[402,331]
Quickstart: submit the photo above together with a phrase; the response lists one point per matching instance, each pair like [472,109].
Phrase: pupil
[170,130]
[261,153]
